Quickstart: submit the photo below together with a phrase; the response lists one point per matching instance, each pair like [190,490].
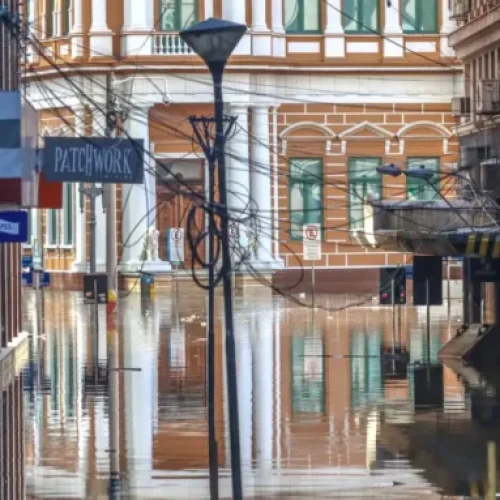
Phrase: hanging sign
[175,245]
[93,159]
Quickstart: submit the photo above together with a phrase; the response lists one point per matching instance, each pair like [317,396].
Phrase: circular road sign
[312,232]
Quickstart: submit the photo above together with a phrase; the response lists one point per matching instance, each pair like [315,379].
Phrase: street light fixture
[214,40]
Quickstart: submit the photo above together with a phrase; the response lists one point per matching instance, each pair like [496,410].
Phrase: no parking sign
[175,245]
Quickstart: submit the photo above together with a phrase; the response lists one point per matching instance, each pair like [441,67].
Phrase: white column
[261,35]
[447,26]
[237,165]
[244,382]
[238,14]
[77,29]
[80,262]
[33,23]
[99,124]
[334,32]
[138,396]
[263,392]
[393,41]
[279,40]
[137,27]
[101,37]
[138,200]
[261,184]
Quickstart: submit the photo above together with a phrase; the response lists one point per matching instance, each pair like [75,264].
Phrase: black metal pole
[213,455]
[220,139]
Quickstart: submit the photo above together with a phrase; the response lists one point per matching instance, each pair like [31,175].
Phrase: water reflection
[326,404]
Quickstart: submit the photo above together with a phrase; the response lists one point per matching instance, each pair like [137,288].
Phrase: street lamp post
[214,41]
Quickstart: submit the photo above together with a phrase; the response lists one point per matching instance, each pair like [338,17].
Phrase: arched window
[176,15]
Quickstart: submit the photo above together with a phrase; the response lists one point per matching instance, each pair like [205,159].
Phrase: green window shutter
[68,214]
[419,189]
[49,19]
[420,16]
[364,180]
[361,16]
[66,18]
[52,228]
[306,194]
[302,16]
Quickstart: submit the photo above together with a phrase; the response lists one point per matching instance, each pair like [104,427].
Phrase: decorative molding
[376,129]
[441,129]
[316,126]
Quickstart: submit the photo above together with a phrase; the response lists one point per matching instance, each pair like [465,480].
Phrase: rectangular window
[364,181]
[52,227]
[68,214]
[176,15]
[49,18]
[420,189]
[361,16]
[306,194]
[420,16]
[65,17]
[302,16]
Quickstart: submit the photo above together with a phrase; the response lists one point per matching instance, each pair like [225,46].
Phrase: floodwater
[326,409]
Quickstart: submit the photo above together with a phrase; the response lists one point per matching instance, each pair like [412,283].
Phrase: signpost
[311,237]
[175,253]
[102,160]
[14,227]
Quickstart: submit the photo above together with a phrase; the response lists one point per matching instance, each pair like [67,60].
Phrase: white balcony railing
[170,44]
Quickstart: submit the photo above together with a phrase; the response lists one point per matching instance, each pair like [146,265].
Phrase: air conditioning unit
[460,106]
[488,97]
[460,8]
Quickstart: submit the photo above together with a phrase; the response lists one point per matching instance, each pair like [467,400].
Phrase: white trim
[445,133]
[382,132]
[315,126]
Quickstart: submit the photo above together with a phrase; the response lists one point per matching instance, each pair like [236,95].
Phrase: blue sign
[13,227]
[94,159]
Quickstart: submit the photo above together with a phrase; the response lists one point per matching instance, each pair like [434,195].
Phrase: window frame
[295,180]
[418,16]
[178,5]
[301,16]
[351,182]
[362,30]
[410,181]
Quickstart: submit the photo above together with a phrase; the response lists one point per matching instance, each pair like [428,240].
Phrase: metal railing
[170,44]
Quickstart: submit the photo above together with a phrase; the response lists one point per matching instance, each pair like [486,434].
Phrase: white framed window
[60,223]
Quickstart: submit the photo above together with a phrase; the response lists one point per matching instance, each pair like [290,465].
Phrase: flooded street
[348,404]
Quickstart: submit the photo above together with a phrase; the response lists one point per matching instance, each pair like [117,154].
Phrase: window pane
[311,15]
[68,214]
[66,19]
[49,19]
[364,180]
[292,15]
[168,15]
[188,13]
[409,15]
[420,16]
[306,194]
[52,227]
[360,15]
[419,189]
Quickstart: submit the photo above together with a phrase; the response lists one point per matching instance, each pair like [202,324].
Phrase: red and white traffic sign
[311,237]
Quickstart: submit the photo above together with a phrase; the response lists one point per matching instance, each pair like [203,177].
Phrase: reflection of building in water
[12,452]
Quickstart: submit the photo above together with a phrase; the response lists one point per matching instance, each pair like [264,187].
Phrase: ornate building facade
[324,92]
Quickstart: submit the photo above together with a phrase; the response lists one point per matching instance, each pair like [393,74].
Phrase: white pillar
[244,382]
[33,23]
[99,125]
[137,27]
[237,166]
[101,37]
[77,29]
[238,14]
[261,184]
[393,40]
[139,200]
[80,262]
[447,26]
[263,392]
[261,35]
[279,40]
[138,396]
[334,32]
